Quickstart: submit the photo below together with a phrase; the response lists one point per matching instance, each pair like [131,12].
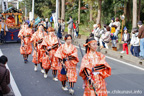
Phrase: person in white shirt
[105,38]
[97,32]
[135,47]
[117,23]
[47,23]
[3,30]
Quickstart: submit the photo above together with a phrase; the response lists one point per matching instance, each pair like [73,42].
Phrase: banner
[37,20]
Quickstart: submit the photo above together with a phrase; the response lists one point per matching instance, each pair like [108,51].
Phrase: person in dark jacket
[4,78]
[59,33]
[126,40]
[141,37]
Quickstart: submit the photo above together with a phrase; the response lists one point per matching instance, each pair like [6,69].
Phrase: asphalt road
[123,81]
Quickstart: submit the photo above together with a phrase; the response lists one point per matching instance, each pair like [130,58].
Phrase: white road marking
[12,81]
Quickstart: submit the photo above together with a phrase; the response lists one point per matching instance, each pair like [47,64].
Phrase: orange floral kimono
[50,61]
[25,35]
[38,52]
[89,61]
[63,52]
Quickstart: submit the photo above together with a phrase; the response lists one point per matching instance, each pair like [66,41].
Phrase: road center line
[12,81]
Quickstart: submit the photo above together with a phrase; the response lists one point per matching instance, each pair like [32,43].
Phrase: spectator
[3,30]
[70,25]
[97,34]
[62,26]
[126,40]
[47,24]
[117,24]
[77,29]
[94,29]
[74,27]
[105,38]
[51,20]
[134,43]
[28,21]
[115,27]
[141,37]
[59,34]
[112,22]
[4,78]
[32,25]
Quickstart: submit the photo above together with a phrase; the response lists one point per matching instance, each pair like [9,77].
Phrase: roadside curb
[115,54]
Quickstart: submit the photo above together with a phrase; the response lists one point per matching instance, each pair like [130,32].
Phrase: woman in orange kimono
[37,39]
[26,47]
[50,44]
[94,69]
[67,54]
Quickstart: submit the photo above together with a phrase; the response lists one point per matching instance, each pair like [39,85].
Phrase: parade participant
[67,54]
[37,39]
[50,44]
[3,30]
[94,69]
[25,36]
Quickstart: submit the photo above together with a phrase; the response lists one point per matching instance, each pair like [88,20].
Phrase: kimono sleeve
[58,53]
[33,38]
[30,31]
[43,43]
[20,34]
[84,65]
[107,71]
[75,55]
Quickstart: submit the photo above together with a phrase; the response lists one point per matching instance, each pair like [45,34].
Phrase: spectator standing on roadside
[141,37]
[51,20]
[4,78]
[62,26]
[77,29]
[70,25]
[134,43]
[126,40]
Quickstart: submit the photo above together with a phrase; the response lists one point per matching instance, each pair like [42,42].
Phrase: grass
[83,30]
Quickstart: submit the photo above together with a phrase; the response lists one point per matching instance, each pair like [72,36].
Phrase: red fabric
[74,26]
[125,47]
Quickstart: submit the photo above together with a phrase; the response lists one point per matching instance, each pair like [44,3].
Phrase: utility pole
[25,10]
[32,9]
[57,10]
[17,4]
